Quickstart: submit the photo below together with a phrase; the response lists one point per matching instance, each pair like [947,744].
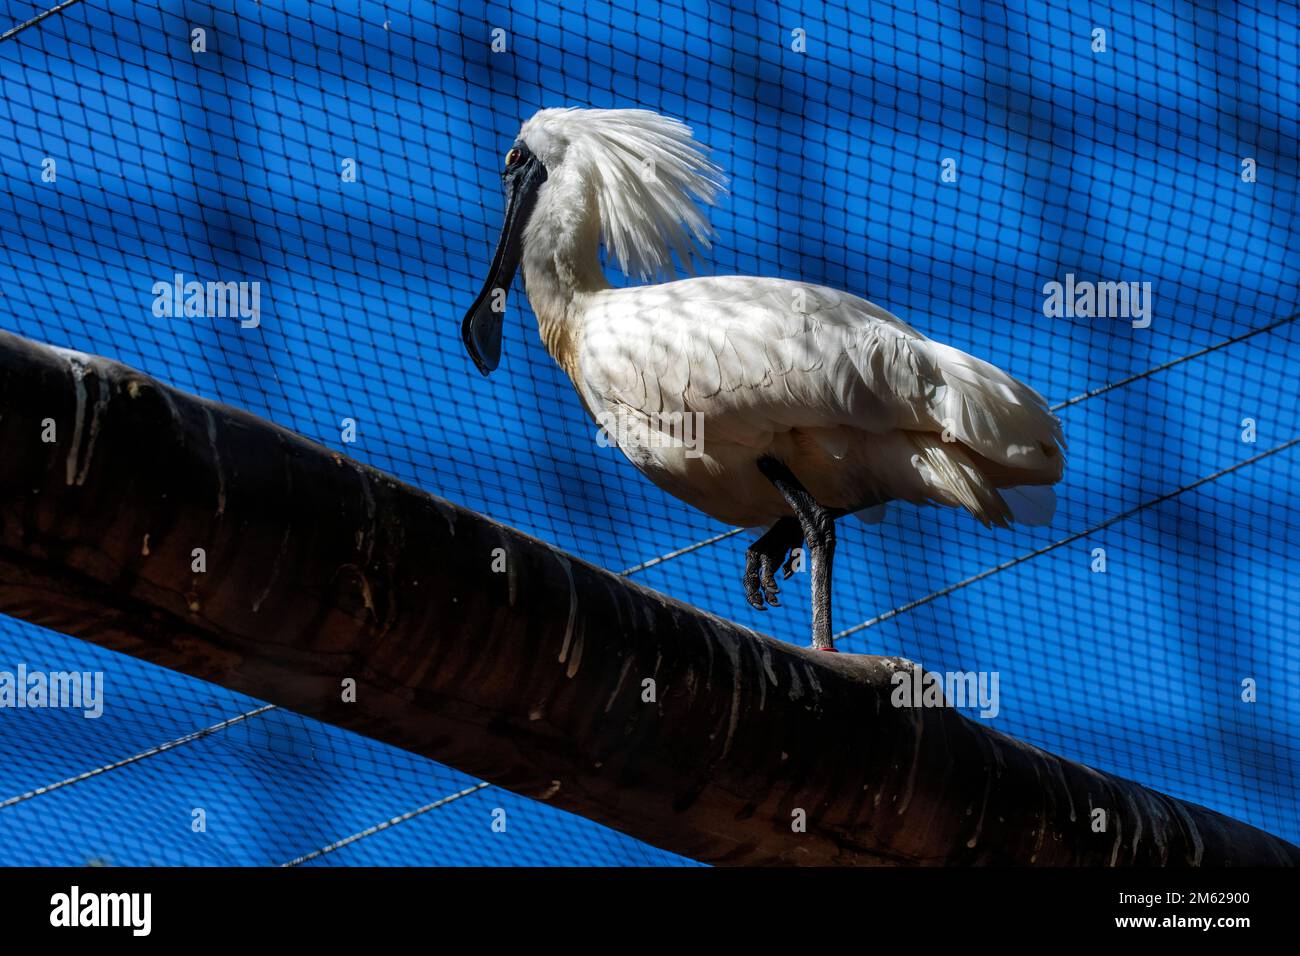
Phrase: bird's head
[650,179]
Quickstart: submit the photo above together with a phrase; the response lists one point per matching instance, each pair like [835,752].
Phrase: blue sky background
[1115,165]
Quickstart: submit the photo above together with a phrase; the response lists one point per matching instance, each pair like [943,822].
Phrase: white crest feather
[651,178]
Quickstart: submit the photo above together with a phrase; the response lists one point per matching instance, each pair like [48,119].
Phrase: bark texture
[321,569]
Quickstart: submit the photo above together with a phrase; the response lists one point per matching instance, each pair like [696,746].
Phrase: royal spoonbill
[813,403]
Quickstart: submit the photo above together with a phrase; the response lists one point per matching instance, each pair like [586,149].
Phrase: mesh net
[943,163]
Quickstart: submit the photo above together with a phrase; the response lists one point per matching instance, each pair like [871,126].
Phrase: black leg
[765,555]
[818,525]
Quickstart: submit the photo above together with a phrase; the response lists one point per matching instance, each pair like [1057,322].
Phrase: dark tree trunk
[320,569]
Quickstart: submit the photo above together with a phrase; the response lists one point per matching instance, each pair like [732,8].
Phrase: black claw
[788,568]
[752,582]
[763,558]
[768,582]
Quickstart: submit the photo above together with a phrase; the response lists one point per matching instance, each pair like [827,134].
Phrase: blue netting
[1116,165]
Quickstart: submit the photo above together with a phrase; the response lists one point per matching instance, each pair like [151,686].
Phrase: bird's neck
[561,265]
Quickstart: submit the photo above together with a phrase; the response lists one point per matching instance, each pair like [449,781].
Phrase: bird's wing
[760,356]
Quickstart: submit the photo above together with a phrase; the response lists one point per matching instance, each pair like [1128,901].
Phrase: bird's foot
[760,587]
[775,549]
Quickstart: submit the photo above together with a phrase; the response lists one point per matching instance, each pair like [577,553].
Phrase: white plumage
[857,404]
[854,400]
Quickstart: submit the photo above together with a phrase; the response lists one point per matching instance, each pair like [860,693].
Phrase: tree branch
[319,569]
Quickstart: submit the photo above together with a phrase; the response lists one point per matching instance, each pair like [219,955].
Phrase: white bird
[814,403]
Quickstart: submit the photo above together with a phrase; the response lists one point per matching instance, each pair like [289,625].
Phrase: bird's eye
[512,158]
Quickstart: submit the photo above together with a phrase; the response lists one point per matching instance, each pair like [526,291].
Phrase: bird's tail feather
[951,477]
[1001,419]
